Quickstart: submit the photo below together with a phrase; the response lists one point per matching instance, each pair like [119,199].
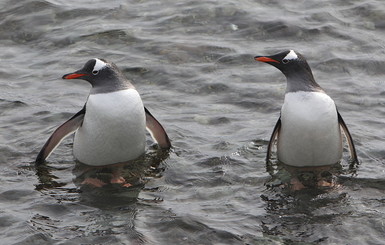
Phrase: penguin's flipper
[272,138]
[157,131]
[59,134]
[352,148]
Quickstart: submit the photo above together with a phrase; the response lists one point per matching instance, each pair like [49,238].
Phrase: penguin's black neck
[301,79]
[111,83]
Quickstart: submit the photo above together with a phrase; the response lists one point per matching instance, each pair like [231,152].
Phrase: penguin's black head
[297,71]
[101,74]
[288,62]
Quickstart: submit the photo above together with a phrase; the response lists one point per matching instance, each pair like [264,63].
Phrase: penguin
[308,131]
[111,126]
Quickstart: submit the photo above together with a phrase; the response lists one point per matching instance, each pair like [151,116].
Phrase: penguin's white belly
[310,134]
[113,129]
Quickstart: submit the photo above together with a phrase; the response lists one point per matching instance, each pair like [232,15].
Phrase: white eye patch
[291,55]
[99,65]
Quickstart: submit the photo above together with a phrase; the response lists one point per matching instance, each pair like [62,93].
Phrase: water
[192,62]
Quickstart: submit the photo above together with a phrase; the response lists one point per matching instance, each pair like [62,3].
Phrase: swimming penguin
[111,126]
[308,131]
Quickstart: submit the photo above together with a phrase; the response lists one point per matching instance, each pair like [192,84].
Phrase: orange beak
[265,59]
[73,76]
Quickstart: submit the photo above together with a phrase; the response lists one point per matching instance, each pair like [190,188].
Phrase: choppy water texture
[192,62]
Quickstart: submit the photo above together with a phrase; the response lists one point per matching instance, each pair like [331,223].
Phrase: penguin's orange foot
[296,185]
[120,180]
[93,182]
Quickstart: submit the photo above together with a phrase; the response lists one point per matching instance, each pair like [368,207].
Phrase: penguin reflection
[129,174]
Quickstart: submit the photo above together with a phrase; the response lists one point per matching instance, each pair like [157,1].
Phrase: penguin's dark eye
[285,61]
[95,72]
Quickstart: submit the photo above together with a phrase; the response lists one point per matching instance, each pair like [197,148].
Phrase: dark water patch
[181,53]
[222,146]
[8,104]
[268,29]
[15,195]
[39,238]
[211,120]
[102,198]
[57,118]
[25,21]
[236,60]
[136,70]
[365,11]
[22,8]
[322,18]
[212,88]
[80,13]
[271,29]
[255,102]
[207,52]
[378,184]
[296,218]
[163,76]
[179,230]
[216,162]
[351,66]
[112,36]
[214,18]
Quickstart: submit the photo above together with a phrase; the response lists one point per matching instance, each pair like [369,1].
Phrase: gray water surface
[192,62]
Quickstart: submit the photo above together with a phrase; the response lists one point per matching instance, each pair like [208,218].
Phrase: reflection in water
[301,201]
[47,180]
[117,184]
[108,210]
[110,179]
[295,178]
[298,217]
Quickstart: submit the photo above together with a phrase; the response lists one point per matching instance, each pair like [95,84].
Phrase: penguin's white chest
[113,129]
[310,133]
